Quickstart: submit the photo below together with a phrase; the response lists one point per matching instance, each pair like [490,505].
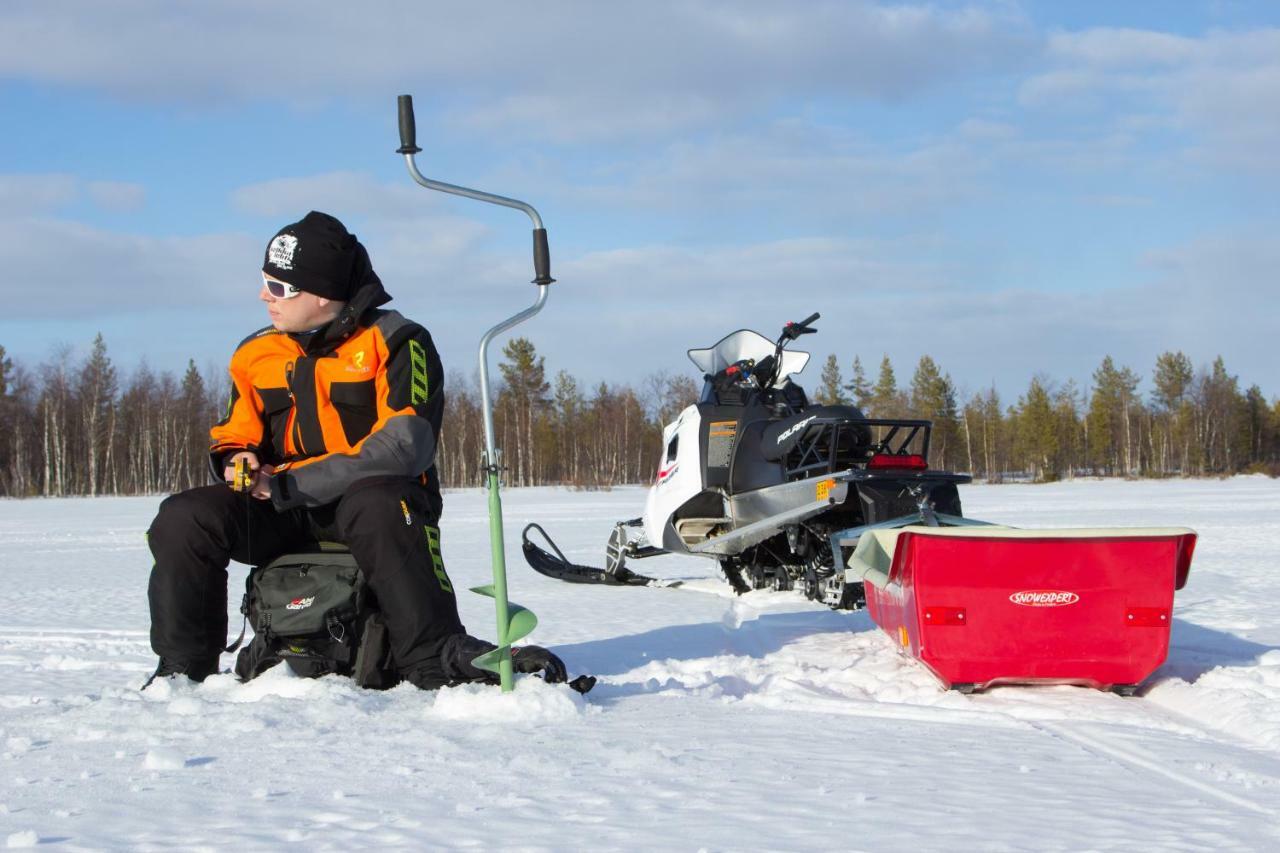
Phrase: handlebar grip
[806,321]
[408,130]
[541,257]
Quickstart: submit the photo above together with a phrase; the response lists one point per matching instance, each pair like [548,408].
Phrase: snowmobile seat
[781,437]
[751,468]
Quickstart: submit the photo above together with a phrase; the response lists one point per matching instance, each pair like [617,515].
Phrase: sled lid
[741,344]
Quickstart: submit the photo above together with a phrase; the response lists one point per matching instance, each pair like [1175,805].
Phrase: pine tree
[193,426]
[1070,434]
[1272,454]
[1258,426]
[8,423]
[97,394]
[568,405]
[933,398]
[1174,415]
[858,387]
[1222,412]
[6,368]
[1172,380]
[831,391]
[1037,430]
[886,401]
[1110,420]
[524,396]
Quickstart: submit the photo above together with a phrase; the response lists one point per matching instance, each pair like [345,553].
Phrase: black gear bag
[314,612]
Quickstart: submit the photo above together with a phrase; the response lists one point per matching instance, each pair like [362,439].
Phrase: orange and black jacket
[359,398]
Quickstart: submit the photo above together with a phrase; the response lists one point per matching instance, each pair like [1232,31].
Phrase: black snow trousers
[390,524]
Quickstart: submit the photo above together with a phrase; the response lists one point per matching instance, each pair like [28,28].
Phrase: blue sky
[1010,187]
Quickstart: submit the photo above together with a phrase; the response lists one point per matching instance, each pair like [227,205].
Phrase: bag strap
[244,624]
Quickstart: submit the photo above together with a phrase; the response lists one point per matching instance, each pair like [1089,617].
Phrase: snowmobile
[759,479]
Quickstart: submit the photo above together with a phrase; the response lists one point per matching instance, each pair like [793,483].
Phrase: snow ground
[720,723]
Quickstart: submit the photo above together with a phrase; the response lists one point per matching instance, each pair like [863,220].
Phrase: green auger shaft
[498,546]
[514,622]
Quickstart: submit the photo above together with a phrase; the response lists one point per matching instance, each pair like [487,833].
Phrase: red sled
[987,605]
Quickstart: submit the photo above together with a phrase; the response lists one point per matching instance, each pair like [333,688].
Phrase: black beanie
[317,254]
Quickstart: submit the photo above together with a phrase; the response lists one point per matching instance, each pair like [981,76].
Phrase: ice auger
[514,621]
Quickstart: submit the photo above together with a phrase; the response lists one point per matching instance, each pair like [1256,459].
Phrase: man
[336,406]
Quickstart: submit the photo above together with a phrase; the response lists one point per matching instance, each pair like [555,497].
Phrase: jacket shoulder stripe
[260,333]
[396,328]
[391,324]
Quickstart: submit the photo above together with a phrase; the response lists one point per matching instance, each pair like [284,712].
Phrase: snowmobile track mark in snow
[1108,748]
[72,636]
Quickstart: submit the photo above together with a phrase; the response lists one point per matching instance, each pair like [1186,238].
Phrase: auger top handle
[409,147]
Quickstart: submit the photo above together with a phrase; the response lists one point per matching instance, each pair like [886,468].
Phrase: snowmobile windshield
[741,344]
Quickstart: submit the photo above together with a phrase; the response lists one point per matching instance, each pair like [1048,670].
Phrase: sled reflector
[890,461]
[1047,606]
[1147,617]
[944,616]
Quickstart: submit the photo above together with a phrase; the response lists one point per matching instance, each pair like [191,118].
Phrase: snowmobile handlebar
[771,366]
[794,330]
[742,370]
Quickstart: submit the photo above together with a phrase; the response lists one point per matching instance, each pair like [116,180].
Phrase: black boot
[452,666]
[196,671]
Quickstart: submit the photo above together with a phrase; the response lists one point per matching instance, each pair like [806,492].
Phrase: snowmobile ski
[556,565]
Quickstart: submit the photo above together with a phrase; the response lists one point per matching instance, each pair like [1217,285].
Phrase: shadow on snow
[754,637]
[1195,650]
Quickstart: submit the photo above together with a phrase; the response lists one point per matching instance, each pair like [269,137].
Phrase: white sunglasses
[280,289]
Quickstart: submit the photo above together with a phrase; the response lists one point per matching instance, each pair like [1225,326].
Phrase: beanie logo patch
[280,252]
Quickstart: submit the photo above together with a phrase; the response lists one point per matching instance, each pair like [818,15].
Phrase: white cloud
[31,195]
[38,194]
[405,227]
[1218,90]
[354,193]
[564,71]
[799,171]
[1122,48]
[117,196]
[102,273]
[58,268]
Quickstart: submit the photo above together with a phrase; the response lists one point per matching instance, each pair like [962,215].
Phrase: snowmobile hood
[745,343]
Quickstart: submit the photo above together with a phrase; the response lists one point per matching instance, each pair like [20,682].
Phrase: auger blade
[520,623]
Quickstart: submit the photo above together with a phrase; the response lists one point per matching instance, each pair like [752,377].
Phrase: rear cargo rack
[831,444]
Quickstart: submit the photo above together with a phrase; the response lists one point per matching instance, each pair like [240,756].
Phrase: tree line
[1193,422]
[72,427]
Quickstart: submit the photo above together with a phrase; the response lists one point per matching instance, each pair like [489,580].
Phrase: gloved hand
[538,659]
